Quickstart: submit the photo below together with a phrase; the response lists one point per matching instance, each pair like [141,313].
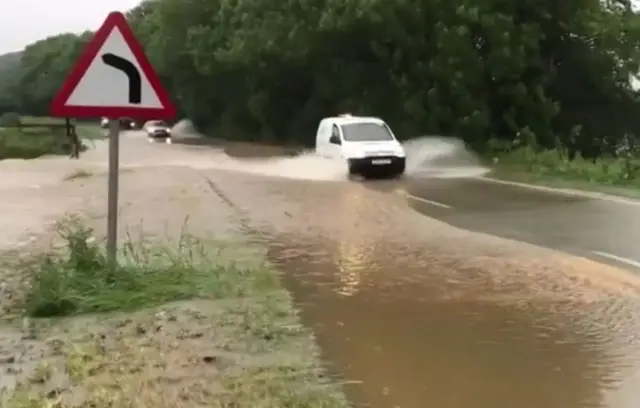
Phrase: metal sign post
[113,79]
[112,194]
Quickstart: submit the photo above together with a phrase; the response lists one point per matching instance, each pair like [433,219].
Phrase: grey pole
[112,200]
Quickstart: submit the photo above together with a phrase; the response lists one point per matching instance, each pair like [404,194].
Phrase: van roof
[348,119]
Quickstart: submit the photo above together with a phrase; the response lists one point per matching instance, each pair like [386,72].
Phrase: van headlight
[400,153]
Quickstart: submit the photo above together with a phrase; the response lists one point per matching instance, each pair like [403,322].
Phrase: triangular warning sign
[113,78]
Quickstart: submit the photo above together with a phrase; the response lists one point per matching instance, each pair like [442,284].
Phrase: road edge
[562,190]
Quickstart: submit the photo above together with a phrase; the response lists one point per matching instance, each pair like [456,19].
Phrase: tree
[43,68]
[540,72]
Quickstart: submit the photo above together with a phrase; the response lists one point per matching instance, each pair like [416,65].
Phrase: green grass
[154,351]
[30,144]
[620,176]
[78,280]
[41,136]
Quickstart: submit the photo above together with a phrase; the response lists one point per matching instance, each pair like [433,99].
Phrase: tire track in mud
[243,215]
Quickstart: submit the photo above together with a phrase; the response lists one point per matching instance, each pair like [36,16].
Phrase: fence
[28,136]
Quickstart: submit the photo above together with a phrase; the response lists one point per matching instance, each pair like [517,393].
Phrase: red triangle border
[114,20]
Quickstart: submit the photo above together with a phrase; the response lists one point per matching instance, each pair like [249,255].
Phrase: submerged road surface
[414,313]
[603,229]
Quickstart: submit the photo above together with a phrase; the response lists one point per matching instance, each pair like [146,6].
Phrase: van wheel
[352,170]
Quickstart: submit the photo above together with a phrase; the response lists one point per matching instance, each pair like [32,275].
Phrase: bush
[555,164]
[78,280]
[35,141]
[10,119]
[30,145]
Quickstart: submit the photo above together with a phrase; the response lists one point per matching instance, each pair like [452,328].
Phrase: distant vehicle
[125,123]
[366,144]
[157,130]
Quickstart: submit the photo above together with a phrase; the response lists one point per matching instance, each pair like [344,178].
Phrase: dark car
[125,123]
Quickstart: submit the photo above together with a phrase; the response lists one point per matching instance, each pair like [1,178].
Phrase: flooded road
[607,230]
[412,312]
[410,343]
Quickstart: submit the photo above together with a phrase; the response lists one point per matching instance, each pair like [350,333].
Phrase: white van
[367,144]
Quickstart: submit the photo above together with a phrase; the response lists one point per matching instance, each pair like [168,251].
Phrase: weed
[42,373]
[528,164]
[77,279]
[242,346]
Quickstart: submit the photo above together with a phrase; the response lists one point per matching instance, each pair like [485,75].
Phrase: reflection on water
[414,315]
[353,255]
[386,322]
[349,266]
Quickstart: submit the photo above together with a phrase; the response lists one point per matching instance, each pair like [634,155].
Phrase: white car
[157,130]
[366,144]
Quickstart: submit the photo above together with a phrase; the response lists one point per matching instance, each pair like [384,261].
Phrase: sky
[32,20]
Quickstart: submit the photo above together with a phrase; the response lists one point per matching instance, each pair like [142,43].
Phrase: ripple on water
[419,330]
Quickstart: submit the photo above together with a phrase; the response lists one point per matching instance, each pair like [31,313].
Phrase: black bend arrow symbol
[135,82]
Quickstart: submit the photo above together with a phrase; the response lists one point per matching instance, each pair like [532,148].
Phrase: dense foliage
[545,73]
[9,73]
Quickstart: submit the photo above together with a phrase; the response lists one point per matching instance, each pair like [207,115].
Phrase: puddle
[403,335]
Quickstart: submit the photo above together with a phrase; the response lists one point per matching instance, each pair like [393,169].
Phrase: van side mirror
[334,140]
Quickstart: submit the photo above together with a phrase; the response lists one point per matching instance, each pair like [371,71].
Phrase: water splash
[427,157]
[441,157]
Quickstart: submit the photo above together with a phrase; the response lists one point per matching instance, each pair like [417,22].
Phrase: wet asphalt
[605,230]
[411,313]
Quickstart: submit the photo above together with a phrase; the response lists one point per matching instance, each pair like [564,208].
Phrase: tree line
[544,73]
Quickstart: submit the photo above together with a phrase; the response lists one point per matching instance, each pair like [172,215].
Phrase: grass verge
[178,325]
[31,144]
[617,176]
[41,136]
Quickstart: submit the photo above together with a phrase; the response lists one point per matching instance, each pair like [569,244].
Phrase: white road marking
[631,262]
[565,191]
[424,200]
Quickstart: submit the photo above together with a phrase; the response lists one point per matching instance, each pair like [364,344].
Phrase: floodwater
[427,157]
[407,325]
[404,338]
[411,313]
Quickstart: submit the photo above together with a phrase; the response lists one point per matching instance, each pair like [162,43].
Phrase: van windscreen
[366,132]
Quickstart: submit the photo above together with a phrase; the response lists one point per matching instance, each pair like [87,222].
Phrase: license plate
[381,161]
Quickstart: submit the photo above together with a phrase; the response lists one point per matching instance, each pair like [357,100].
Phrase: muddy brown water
[401,342]
[415,316]
[411,313]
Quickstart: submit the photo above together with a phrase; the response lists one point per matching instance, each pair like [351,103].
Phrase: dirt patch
[204,353]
